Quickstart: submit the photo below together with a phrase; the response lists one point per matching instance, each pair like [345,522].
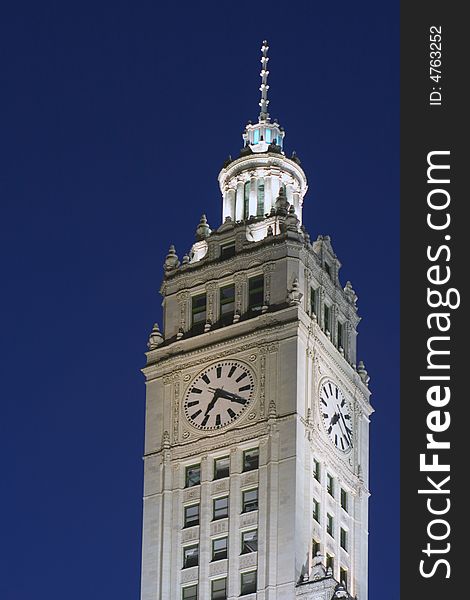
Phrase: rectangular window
[249,541]
[316,469]
[330,562]
[343,577]
[251,459]
[221,467]
[219,589]
[248,583]
[329,524]
[192,475]
[190,556]
[227,301]
[313,301]
[326,317]
[191,515]
[250,500]
[256,292]
[330,485]
[220,548]
[198,309]
[315,548]
[344,500]
[316,510]
[227,251]
[343,539]
[190,592]
[246,200]
[220,508]
[340,335]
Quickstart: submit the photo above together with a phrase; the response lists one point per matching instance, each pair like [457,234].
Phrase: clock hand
[211,404]
[348,431]
[230,396]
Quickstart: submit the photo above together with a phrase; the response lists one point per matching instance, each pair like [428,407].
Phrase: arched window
[260,198]
[246,200]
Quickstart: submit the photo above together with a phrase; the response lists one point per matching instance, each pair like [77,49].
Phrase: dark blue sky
[115,120]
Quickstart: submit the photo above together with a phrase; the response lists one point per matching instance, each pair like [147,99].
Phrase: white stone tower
[256,443]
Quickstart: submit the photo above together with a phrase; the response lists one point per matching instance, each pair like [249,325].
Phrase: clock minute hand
[348,431]
[231,397]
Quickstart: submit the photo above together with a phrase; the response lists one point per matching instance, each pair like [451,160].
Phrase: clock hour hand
[211,404]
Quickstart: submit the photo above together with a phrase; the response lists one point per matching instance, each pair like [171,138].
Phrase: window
[326,319]
[255,136]
[250,500]
[260,197]
[219,589]
[316,510]
[251,459]
[221,467]
[313,301]
[190,556]
[267,135]
[191,515]
[344,500]
[246,200]
[198,309]
[227,251]
[220,508]
[329,524]
[248,583]
[255,292]
[328,270]
[192,475]
[316,469]
[315,548]
[190,592]
[343,577]
[330,561]
[340,335]
[330,485]
[343,539]
[249,541]
[219,548]
[227,301]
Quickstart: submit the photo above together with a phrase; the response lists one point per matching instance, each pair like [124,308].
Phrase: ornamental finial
[264,115]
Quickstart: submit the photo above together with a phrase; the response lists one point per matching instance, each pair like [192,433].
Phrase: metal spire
[264,115]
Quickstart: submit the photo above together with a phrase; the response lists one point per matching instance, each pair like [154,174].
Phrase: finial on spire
[264,115]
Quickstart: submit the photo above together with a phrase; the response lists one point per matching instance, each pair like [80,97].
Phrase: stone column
[229,204]
[297,205]
[268,194]
[239,201]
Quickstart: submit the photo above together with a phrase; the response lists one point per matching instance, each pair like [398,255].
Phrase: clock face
[336,414]
[219,395]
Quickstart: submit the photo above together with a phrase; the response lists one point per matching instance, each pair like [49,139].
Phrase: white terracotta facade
[292,344]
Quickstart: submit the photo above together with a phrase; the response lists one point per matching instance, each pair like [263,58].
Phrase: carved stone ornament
[155,338]
[171,260]
[295,295]
[361,369]
[318,568]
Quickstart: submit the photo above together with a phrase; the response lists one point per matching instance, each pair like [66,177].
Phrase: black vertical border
[424,129]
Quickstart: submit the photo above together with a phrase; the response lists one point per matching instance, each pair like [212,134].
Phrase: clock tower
[256,435]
